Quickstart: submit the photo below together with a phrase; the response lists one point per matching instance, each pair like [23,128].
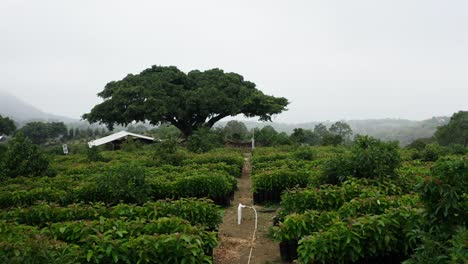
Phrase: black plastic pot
[288,250]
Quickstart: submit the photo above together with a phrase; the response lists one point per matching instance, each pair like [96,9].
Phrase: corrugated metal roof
[116,136]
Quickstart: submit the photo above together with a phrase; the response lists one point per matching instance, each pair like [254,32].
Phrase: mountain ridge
[22,112]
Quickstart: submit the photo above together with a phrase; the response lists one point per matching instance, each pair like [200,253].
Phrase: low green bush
[367,236]
[23,158]
[197,211]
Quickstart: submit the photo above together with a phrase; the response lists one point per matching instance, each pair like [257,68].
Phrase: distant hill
[23,112]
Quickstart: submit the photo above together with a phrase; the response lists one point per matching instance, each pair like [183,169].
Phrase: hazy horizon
[334,60]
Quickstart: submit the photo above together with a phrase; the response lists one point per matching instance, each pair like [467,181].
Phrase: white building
[117,138]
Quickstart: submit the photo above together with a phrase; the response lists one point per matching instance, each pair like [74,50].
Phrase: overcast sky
[332,59]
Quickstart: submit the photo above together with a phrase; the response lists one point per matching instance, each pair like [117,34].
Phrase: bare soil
[235,240]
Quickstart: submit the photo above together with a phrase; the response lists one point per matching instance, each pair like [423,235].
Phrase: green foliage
[96,212]
[418,144]
[7,126]
[305,136]
[204,140]
[167,152]
[94,155]
[372,158]
[321,130]
[166,95]
[235,131]
[444,194]
[279,180]
[331,197]
[268,136]
[369,158]
[131,145]
[165,240]
[367,236]
[332,140]
[125,183]
[213,186]
[455,132]
[197,211]
[165,132]
[39,132]
[304,153]
[295,226]
[23,158]
[458,250]
[457,149]
[341,129]
[432,152]
[25,244]
[337,169]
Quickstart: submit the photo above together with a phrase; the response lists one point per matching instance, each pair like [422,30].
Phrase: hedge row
[363,237]
[332,197]
[196,211]
[130,188]
[25,244]
[268,186]
[296,226]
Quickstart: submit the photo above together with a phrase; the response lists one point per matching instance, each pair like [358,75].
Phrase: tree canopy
[7,126]
[455,132]
[24,158]
[39,132]
[166,95]
[342,129]
[235,131]
[305,136]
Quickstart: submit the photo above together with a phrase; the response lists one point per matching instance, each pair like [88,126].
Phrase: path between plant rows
[235,240]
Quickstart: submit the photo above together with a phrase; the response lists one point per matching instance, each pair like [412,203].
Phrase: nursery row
[196,211]
[166,240]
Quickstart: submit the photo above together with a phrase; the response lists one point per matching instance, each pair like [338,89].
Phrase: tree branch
[215,119]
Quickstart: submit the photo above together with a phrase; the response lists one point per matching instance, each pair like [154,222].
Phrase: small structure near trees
[118,138]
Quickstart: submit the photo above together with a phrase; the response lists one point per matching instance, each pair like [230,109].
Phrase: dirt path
[235,240]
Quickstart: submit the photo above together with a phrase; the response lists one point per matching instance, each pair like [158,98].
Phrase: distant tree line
[451,138]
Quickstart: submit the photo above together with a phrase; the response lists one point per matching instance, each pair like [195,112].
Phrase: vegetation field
[338,199]
[369,203]
[137,206]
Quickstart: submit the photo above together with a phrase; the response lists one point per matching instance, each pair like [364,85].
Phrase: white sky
[332,59]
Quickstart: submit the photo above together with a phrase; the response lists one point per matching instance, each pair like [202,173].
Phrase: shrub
[458,251]
[204,140]
[331,140]
[94,154]
[167,152]
[372,158]
[131,145]
[458,149]
[444,194]
[433,152]
[24,158]
[337,169]
[279,180]
[367,236]
[304,153]
[445,201]
[418,144]
[124,183]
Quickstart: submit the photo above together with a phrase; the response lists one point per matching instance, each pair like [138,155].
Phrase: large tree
[455,132]
[235,131]
[342,129]
[166,95]
[7,126]
[39,132]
